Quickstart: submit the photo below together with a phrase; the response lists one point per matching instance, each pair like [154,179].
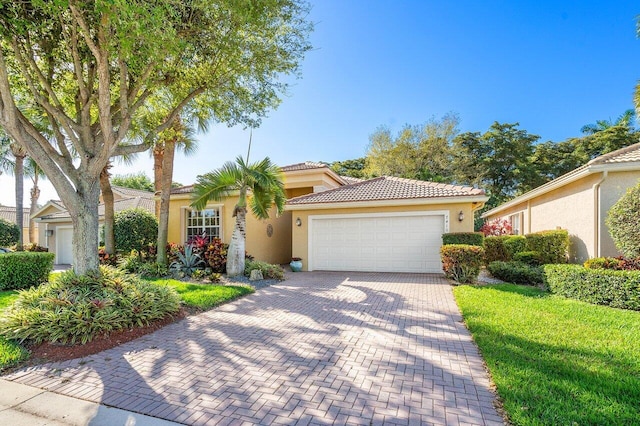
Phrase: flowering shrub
[216,255]
[496,227]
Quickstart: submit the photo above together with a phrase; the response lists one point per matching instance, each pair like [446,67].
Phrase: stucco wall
[300,234]
[273,249]
[614,187]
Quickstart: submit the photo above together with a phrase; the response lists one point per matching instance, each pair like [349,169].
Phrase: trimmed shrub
[9,233]
[461,262]
[19,270]
[503,247]
[602,263]
[553,245]
[514,244]
[269,271]
[76,308]
[134,229]
[623,222]
[618,289]
[517,272]
[532,258]
[470,238]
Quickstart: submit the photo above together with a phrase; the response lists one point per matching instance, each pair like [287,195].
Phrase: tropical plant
[258,185]
[187,262]
[35,173]
[625,119]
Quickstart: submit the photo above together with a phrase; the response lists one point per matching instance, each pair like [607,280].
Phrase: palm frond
[216,185]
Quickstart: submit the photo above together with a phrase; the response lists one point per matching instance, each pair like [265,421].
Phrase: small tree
[623,222]
[9,233]
[134,229]
[496,227]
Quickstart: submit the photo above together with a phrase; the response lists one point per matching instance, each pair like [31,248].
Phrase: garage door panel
[404,243]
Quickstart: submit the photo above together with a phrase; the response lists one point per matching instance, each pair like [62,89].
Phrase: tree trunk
[236,251]
[84,216]
[35,194]
[19,175]
[165,195]
[109,213]
[158,154]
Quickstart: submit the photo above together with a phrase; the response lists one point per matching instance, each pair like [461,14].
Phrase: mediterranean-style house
[334,222]
[578,202]
[54,222]
[8,213]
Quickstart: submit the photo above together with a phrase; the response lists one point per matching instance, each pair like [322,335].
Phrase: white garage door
[377,242]
[64,245]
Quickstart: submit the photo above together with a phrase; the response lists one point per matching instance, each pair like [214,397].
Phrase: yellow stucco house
[333,222]
[578,202]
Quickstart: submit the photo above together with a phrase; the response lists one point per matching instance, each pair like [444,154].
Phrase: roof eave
[388,203]
[566,179]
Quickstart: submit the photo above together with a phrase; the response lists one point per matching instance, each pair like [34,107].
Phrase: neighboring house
[55,227]
[578,202]
[8,213]
[338,223]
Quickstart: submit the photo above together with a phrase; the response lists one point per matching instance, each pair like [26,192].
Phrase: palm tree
[35,173]
[625,120]
[258,184]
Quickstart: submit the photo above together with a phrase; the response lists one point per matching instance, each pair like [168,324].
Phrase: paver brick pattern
[320,348]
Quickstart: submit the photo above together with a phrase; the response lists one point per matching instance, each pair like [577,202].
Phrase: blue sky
[552,66]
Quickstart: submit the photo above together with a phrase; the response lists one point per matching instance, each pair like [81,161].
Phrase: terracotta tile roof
[188,189]
[627,154]
[8,213]
[350,180]
[129,192]
[119,205]
[386,188]
[307,165]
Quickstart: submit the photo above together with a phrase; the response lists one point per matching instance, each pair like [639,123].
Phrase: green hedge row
[516,272]
[543,247]
[461,262]
[469,238]
[20,270]
[618,289]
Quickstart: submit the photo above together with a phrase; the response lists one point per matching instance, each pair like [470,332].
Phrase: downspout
[597,215]
[528,216]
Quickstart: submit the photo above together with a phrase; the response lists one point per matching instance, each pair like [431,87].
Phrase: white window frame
[516,223]
[186,226]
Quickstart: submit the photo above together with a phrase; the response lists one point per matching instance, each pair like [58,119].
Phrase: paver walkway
[319,348]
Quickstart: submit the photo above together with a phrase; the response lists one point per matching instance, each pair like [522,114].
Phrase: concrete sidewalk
[25,405]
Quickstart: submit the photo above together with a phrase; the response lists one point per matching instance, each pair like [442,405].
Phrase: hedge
[552,245]
[533,258]
[516,272]
[503,247]
[461,262]
[9,233]
[24,269]
[469,238]
[618,289]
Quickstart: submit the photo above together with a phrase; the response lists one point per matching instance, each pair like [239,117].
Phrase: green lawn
[205,296]
[10,353]
[556,360]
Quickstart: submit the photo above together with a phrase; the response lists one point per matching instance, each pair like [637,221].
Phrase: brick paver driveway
[319,348]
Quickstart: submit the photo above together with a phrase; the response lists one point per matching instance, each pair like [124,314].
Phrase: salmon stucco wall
[300,234]
[266,243]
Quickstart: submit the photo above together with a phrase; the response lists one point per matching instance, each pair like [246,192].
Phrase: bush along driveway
[343,348]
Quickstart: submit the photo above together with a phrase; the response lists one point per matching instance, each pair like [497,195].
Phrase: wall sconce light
[298,222]
[460,216]
[49,232]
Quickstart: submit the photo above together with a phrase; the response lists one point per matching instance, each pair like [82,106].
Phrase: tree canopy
[90,67]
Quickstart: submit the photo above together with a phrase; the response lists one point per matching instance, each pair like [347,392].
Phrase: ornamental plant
[9,233]
[461,262]
[496,227]
[135,229]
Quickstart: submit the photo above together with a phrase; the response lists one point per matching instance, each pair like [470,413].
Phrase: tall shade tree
[89,66]
[134,181]
[417,152]
[35,173]
[258,185]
